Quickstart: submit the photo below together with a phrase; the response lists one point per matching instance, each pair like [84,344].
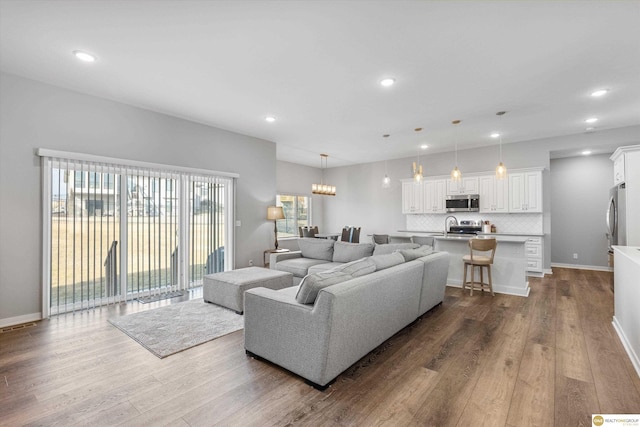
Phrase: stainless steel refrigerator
[616,222]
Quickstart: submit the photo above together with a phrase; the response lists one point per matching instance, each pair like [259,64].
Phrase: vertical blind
[115,232]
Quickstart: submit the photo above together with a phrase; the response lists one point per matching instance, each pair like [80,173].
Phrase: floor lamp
[274,213]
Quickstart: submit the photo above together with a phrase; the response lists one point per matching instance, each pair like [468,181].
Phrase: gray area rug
[173,328]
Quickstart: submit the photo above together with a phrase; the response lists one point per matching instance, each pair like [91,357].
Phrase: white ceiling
[315,65]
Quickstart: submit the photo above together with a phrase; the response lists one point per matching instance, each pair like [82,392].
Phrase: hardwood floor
[550,359]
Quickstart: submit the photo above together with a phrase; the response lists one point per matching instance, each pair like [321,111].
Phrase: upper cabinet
[434,195]
[525,191]
[618,167]
[494,194]
[412,197]
[467,185]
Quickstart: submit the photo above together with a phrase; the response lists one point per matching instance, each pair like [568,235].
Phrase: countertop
[499,238]
[440,232]
[631,252]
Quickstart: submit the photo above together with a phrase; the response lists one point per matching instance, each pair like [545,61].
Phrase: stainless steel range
[467,227]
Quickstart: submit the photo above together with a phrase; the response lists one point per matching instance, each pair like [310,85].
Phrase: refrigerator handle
[611,227]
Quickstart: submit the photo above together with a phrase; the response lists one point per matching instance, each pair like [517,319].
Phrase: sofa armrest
[287,333]
[274,258]
[434,280]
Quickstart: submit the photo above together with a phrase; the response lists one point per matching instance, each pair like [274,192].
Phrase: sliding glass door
[116,232]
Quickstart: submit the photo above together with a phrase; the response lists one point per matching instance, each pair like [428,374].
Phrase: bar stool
[479,260]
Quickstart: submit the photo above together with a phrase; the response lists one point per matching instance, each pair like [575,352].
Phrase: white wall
[579,198]
[34,115]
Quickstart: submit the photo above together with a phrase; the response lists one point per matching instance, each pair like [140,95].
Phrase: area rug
[173,328]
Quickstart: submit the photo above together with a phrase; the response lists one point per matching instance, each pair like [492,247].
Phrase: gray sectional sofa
[317,255]
[337,316]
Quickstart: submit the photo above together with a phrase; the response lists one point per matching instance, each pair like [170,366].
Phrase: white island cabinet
[509,269]
[626,300]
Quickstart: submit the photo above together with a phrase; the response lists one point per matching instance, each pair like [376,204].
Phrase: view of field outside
[85,234]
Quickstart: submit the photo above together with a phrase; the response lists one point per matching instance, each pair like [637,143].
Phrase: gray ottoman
[227,288]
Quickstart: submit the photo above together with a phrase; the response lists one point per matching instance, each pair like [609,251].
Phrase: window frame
[282,228]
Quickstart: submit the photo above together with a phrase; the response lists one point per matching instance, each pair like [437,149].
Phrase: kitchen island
[509,269]
[626,298]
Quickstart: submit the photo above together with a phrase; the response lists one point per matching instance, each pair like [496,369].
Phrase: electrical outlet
[250,263]
[575,256]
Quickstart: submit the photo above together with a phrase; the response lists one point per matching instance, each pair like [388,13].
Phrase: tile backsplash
[525,223]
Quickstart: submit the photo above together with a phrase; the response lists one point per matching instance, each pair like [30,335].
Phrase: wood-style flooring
[550,359]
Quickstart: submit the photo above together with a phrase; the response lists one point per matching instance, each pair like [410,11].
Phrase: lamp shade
[274,213]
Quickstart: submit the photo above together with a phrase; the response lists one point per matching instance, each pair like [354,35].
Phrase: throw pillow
[392,247]
[411,254]
[358,268]
[387,260]
[313,283]
[316,248]
[347,252]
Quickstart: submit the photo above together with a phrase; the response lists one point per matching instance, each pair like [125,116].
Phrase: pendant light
[456,174]
[322,188]
[501,169]
[386,181]
[417,168]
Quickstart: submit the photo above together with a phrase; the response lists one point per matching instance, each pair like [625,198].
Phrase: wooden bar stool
[479,257]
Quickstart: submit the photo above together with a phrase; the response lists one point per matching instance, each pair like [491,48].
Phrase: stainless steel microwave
[463,203]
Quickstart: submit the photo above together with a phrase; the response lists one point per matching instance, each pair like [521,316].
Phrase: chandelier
[322,188]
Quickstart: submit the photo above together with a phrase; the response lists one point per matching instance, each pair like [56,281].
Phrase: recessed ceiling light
[586,152]
[591,120]
[270,119]
[84,56]
[599,92]
[387,82]
[495,135]
[424,146]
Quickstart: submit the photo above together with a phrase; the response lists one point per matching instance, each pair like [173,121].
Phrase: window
[297,213]
[137,230]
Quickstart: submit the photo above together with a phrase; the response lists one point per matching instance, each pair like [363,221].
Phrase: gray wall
[34,115]
[579,195]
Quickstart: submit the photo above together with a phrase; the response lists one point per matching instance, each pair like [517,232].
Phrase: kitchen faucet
[447,225]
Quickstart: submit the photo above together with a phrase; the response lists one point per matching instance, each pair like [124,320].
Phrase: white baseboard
[635,361]
[18,320]
[582,267]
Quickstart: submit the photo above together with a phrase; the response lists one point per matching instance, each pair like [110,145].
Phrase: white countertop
[631,252]
[499,238]
[440,232]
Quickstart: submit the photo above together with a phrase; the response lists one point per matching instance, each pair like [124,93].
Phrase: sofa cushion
[324,267]
[313,283]
[298,266]
[411,254]
[316,248]
[392,247]
[387,260]
[347,252]
[357,268]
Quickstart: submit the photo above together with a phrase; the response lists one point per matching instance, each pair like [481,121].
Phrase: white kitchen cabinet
[525,191]
[467,185]
[494,194]
[434,195]
[412,197]
[533,250]
[618,169]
